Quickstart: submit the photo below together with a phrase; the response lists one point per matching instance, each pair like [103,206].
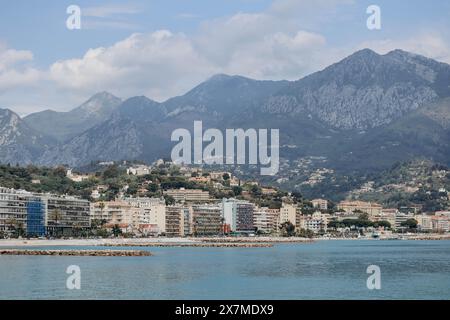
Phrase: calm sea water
[320,270]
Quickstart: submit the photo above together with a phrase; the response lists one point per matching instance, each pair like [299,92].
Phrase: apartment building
[316,222]
[424,222]
[385,215]
[21,210]
[188,195]
[370,208]
[238,215]
[206,220]
[265,220]
[401,217]
[118,213]
[174,221]
[42,214]
[320,204]
[66,213]
[440,223]
[288,213]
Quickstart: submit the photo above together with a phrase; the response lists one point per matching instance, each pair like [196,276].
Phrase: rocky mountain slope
[18,142]
[364,112]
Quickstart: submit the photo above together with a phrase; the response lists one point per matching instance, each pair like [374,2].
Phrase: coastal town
[170,201]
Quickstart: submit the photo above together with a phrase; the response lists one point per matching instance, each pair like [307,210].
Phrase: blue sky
[164,48]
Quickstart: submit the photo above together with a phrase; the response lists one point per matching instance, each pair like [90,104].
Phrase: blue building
[36,218]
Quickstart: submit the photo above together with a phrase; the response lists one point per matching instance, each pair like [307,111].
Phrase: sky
[163,48]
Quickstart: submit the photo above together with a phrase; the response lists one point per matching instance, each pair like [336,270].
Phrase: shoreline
[78,253]
[244,242]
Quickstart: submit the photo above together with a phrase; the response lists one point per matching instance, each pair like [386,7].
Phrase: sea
[325,269]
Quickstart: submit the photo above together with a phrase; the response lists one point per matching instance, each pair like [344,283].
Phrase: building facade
[30,214]
[206,220]
[367,207]
[238,215]
[188,195]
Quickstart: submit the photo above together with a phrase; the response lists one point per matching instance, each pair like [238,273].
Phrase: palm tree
[222,220]
[102,206]
[56,216]
[11,223]
[15,227]
[116,230]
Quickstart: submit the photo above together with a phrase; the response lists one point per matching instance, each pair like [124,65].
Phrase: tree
[16,227]
[287,229]
[169,200]
[363,216]
[306,233]
[226,176]
[255,190]
[297,196]
[116,230]
[111,172]
[384,224]
[56,216]
[410,224]
[152,187]
[237,191]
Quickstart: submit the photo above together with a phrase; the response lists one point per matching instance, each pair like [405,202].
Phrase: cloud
[158,64]
[162,64]
[187,15]
[430,44]
[111,16]
[14,70]
[276,43]
[109,10]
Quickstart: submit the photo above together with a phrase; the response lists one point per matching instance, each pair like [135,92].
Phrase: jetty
[80,253]
[259,240]
[193,245]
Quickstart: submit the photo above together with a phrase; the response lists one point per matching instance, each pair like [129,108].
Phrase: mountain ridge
[360,107]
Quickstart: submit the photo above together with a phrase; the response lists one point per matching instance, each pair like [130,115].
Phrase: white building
[265,219]
[316,222]
[139,170]
[238,215]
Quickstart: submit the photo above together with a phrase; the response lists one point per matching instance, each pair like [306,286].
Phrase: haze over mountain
[65,125]
[364,112]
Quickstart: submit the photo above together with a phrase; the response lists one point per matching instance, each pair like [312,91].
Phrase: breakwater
[199,244]
[84,253]
[259,240]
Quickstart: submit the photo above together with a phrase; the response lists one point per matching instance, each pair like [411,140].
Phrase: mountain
[362,113]
[18,142]
[224,95]
[365,90]
[65,125]
[126,134]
